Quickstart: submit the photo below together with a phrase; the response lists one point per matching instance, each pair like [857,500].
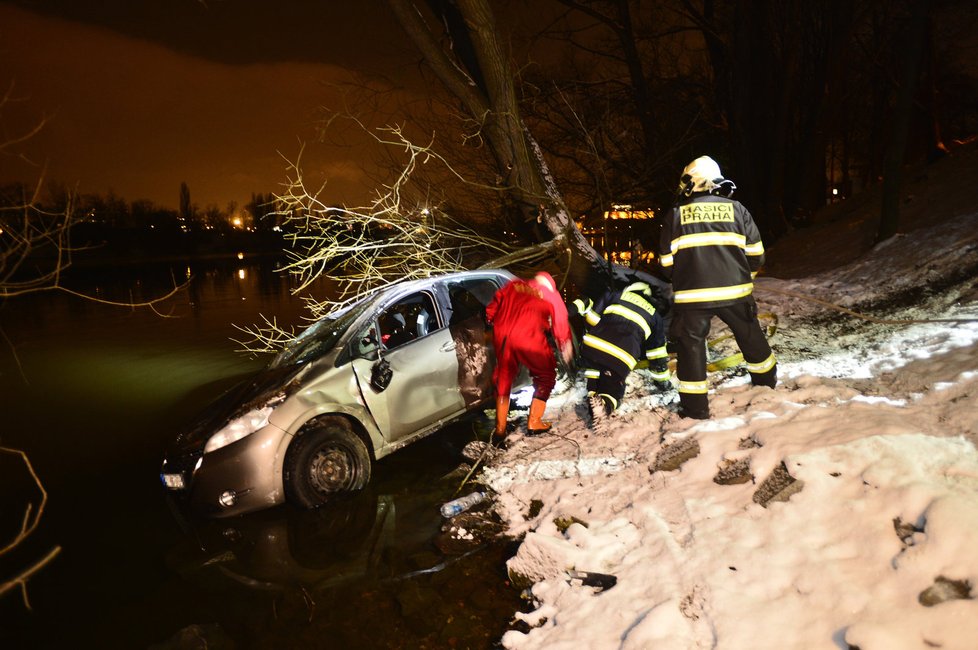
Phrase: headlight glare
[238,428]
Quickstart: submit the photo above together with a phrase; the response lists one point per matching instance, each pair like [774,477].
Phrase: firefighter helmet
[703,175]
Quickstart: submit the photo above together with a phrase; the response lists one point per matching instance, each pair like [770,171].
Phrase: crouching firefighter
[623,328]
[521,319]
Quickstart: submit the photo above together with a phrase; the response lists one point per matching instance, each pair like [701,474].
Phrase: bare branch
[35,243]
[36,250]
[402,233]
[29,523]
[7,145]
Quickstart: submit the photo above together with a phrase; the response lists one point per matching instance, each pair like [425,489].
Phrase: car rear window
[469,297]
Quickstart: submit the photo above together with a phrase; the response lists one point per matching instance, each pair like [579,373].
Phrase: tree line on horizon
[109,226]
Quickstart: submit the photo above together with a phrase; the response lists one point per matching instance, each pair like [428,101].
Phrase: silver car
[352,388]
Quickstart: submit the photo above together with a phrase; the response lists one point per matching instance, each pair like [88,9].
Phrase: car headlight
[238,428]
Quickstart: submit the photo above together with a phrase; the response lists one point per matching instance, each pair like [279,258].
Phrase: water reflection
[335,569]
[95,393]
[288,549]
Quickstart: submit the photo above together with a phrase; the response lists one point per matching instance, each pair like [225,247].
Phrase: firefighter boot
[534,424]
[502,413]
[599,408]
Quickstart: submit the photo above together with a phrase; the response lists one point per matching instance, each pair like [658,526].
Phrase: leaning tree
[460,43]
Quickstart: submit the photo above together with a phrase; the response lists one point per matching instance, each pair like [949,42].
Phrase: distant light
[240,256]
[625,211]
[236,222]
[241,274]
[835,191]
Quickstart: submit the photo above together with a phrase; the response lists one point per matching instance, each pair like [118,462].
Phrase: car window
[469,297]
[366,343]
[408,319]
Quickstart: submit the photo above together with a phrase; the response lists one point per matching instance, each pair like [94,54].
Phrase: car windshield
[319,338]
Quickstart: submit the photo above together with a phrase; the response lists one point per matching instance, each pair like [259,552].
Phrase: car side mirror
[381,375]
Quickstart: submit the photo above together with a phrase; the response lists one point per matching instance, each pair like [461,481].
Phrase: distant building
[623,234]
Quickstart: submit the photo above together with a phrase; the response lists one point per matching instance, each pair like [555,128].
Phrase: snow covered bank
[869,538]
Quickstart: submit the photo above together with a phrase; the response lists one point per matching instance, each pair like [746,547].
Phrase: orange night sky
[138,115]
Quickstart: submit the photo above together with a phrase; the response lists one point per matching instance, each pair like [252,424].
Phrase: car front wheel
[325,460]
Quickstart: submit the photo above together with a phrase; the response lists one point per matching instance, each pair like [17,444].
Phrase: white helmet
[701,175]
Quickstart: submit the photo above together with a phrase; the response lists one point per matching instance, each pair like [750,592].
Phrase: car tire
[326,459]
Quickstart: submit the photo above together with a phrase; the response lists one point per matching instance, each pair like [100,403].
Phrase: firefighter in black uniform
[623,328]
[711,250]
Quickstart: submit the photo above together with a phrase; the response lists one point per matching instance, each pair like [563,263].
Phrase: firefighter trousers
[689,329]
[538,358]
[608,383]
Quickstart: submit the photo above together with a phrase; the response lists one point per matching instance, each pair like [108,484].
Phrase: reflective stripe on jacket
[627,329]
[712,250]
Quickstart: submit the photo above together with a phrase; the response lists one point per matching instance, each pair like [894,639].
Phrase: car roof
[421,283]
[406,286]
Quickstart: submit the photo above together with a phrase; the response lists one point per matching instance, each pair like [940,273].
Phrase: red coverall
[560,323]
[520,319]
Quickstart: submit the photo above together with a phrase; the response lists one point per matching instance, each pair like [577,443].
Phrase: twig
[28,525]
[20,580]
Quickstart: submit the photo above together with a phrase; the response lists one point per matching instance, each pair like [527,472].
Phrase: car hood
[256,391]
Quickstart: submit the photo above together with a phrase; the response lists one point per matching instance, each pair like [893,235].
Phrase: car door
[467,300]
[423,384]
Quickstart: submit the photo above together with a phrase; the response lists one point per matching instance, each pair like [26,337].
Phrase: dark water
[93,394]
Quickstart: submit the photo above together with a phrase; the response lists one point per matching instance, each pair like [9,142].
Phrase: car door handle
[448,347]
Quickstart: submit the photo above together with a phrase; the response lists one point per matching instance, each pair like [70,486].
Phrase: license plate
[173,481]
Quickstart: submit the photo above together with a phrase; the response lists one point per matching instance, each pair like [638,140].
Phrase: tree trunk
[747,73]
[484,83]
[826,92]
[902,116]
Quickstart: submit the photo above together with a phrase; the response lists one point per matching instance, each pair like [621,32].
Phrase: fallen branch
[528,254]
[20,580]
[28,525]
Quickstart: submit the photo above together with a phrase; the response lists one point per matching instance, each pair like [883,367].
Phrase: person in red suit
[521,318]
[544,282]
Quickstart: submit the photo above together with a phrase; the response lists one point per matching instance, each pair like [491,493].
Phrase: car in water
[352,388]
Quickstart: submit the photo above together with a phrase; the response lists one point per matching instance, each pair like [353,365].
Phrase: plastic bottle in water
[461,504]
